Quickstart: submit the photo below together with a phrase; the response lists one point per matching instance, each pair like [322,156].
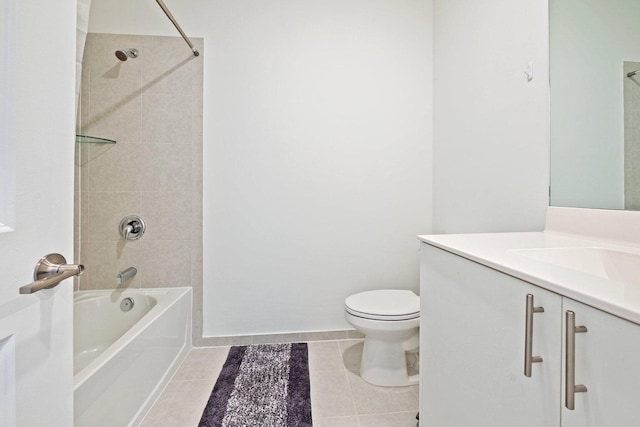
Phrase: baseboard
[278,338]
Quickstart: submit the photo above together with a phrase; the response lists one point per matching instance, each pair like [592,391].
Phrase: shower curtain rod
[175,23]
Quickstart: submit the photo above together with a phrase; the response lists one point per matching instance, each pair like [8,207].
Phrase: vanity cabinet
[607,362]
[472,347]
[473,335]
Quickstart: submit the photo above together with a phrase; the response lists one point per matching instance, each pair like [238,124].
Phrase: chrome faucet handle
[128,229]
[132,227]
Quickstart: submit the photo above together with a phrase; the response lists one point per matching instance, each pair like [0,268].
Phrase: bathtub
[124,359]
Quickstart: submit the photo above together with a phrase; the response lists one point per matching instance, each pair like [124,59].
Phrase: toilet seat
[386,305]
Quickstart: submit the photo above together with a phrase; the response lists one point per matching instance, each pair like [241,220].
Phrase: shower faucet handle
[132,227]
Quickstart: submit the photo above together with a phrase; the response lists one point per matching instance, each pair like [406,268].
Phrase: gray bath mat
[261,386]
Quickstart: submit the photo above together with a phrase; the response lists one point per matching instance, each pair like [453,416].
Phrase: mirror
[595,106]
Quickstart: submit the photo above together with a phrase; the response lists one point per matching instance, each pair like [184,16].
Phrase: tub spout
[125,275]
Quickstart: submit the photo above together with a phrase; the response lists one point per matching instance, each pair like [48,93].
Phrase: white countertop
[494,250]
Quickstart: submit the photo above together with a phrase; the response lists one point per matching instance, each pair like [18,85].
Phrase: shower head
[124,54]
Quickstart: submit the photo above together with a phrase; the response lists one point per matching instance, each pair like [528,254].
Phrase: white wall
[317,151]
[491,144]
[591,40]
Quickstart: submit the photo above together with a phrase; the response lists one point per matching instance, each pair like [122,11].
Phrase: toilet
[389,320]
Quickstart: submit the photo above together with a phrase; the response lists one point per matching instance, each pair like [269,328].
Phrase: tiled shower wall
[631,137]
[152,107]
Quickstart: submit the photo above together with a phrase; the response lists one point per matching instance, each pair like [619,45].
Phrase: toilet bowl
[389,320]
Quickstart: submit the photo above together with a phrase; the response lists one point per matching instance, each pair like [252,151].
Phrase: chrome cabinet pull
[49,271]
[571,388]
[529,358]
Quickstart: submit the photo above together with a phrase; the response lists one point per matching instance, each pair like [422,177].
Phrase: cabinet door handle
[529,358]
[571,388]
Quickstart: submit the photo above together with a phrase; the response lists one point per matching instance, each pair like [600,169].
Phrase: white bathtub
[123,360]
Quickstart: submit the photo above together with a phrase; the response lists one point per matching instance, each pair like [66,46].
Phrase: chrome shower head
[124,54]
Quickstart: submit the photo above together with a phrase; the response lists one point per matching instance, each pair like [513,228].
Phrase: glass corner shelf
[86,139]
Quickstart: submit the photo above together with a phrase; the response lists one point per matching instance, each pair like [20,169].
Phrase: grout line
[353,401]
[346,373]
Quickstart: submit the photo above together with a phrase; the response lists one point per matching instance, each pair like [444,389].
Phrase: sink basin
[606,263]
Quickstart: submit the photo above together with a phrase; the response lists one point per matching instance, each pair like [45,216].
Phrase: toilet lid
[386,304]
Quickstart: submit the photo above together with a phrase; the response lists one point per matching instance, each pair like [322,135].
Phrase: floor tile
[180,405]
[275,338]
[351,351]
[325,356]
[370,399]
[330,395]
[337,422]
[398,419]
[202,364]
[340,398]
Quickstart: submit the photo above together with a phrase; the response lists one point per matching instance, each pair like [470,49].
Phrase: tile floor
[339,397]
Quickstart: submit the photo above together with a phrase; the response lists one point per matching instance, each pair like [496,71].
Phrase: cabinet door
[472,347]
[607,362]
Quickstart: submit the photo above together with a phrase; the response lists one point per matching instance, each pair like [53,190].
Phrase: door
[606,362]
[37,52]
[473,346]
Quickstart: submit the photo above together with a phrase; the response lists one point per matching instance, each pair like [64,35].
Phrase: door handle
[571,388]
[49,271]
[529,358]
